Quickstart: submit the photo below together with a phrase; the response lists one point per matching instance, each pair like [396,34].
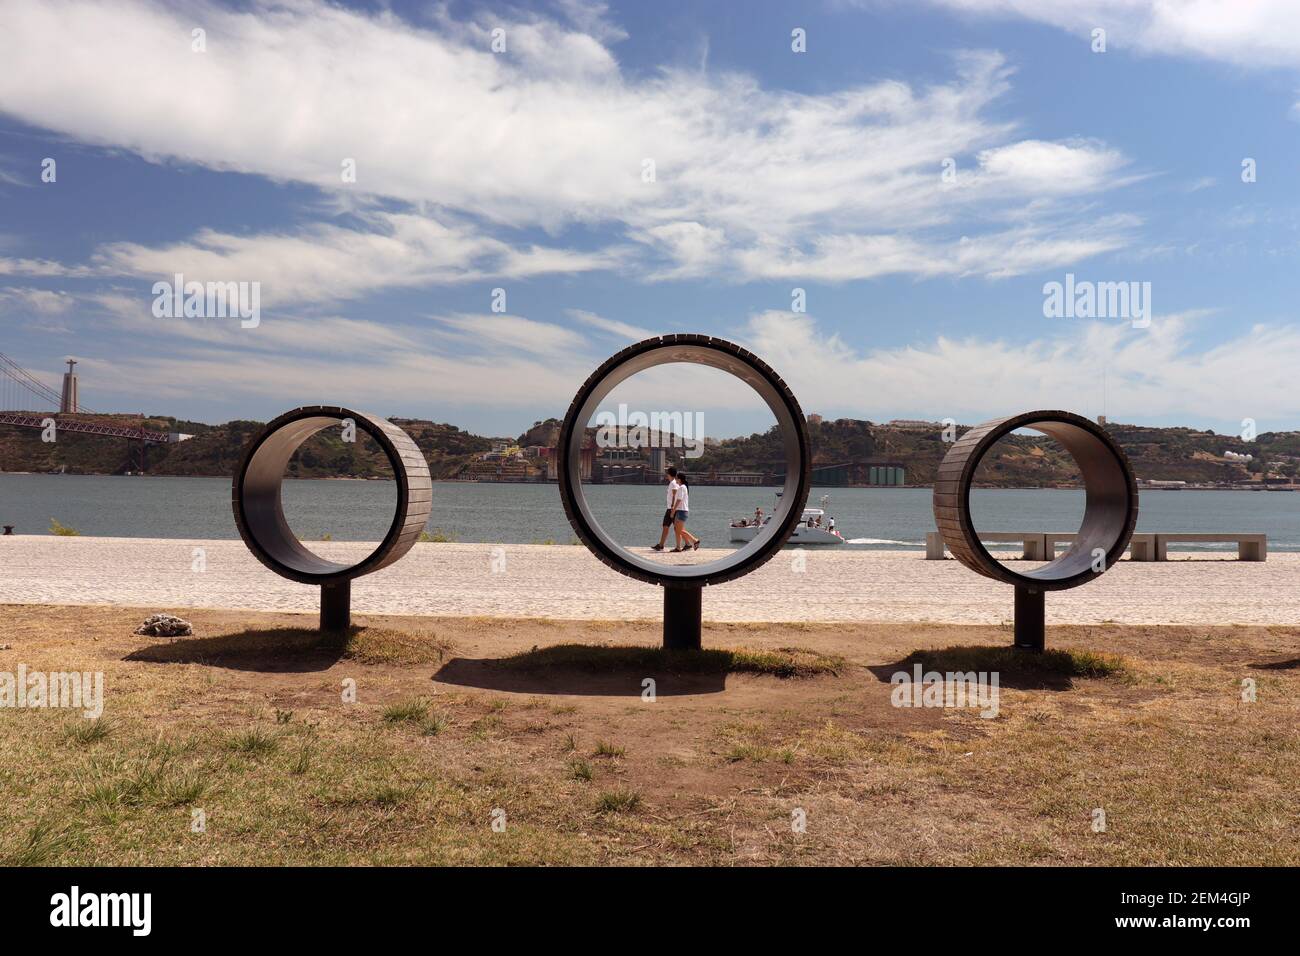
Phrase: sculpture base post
[1030,620]
[682,614]
[336,606]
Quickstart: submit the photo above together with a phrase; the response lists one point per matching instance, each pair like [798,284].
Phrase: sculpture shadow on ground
[1288,665]
[269,650]
[587,670]
[1016,669]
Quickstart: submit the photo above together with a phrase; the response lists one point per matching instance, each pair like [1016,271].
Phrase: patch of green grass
[618,801]
[434,724]
[149,781]
[63,530]
[181,790]
[85,732]
[438,536]
[43,846]
[302,760]
[414,710]
[751,752]
[605,749]
[387,796]
[254,743]
[600,658]
[581,770]
[384,796]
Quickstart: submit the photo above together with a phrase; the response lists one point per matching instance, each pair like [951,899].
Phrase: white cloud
[1153,374]
[512,334]
[632,333]
[995,255]
[1244,32]
[327,263]
[550,134]
[40,301]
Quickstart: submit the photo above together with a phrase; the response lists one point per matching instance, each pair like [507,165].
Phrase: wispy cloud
[550,134]
[613,327]
[1245,32]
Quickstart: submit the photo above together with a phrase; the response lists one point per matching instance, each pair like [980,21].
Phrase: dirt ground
[490,741]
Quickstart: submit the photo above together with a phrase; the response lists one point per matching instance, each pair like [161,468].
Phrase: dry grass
[247,722]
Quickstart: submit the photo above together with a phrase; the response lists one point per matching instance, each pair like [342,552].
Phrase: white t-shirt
[672,492]
[683,498]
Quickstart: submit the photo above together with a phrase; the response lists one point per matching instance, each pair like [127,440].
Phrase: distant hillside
[215,450]
[1022,460]
[1032,460]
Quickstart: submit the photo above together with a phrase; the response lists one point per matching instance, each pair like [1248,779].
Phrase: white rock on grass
[164,625]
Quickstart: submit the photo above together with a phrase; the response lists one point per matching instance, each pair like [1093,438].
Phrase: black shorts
[668,518]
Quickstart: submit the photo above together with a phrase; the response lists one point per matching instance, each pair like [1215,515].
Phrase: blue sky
[523,170]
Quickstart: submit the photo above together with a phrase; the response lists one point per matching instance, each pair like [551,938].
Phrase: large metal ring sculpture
[1110,511]
[259,512]
[683,583]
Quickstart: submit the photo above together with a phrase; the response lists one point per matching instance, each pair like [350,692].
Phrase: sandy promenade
[562,581]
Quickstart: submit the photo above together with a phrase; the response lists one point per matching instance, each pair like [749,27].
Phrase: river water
[884,518]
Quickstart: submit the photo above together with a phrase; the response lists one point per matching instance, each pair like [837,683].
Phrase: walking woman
[681,511]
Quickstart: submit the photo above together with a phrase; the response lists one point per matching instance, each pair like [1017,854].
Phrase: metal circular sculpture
[259,513]
[1110,510]
[682,583]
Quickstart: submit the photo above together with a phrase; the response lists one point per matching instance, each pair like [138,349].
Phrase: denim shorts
[679,515]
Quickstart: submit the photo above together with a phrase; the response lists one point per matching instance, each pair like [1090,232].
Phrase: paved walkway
[563,581]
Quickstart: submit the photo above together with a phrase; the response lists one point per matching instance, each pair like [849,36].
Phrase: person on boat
[758,516]
[681,511]
[671,475]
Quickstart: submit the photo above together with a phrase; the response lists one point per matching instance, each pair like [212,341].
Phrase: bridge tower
[68,402]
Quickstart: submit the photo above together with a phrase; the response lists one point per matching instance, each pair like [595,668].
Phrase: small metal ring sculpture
[1110,511]
[259,512]
[683,584]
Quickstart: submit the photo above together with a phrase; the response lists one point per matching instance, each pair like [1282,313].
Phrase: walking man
[671,475]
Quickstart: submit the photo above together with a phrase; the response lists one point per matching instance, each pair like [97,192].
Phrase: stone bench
[1250,547]
[1041,546]
[1032,541]
[1141,547]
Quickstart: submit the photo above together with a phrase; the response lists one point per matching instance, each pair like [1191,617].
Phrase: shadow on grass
[1277,665]
[599,670]
[299,649]
[1021,670]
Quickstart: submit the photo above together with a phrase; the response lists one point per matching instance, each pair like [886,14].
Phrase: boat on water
[814,526]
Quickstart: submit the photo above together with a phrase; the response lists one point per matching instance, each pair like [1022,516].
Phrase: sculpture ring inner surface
[259,512]
[714,353]
[1110,510]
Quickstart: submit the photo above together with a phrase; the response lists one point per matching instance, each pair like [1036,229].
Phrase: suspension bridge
[24,399]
